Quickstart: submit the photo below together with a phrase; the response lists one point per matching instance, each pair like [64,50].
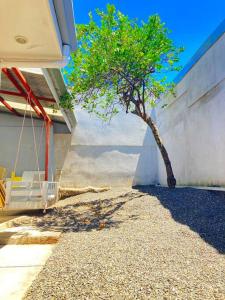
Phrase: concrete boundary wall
[192,126]
[121,153]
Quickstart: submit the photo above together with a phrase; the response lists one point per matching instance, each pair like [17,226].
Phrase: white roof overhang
[36,33]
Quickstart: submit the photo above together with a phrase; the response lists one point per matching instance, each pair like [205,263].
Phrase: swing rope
[34,138]
[20,139]
[37,151]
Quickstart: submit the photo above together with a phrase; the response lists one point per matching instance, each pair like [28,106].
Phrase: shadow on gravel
[83,216]
[202,210]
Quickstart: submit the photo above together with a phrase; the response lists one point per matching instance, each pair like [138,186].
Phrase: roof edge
[58,88]
[66,21]
[210,41]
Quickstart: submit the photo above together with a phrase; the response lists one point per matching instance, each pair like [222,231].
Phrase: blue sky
[191,21]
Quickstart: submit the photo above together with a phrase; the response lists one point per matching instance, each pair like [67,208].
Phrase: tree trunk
[171,181]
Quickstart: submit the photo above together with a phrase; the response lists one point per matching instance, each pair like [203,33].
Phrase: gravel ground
[151,243]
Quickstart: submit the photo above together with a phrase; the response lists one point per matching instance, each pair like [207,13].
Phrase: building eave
[66,22]
[58,88]
[31,41]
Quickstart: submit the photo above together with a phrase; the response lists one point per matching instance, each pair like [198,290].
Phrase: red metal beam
[11,93]
[9,107]
[26,86]
[20,89]
[4,92]
[13,80]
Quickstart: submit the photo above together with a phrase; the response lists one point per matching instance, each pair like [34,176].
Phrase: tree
[120,64]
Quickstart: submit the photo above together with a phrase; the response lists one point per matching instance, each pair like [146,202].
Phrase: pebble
[151,246]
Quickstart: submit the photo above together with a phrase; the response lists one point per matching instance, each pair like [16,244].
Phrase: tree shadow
[82,216]
[203,211]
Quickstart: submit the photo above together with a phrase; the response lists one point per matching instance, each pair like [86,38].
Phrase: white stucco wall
[117,154]
[192,126]
[10,127]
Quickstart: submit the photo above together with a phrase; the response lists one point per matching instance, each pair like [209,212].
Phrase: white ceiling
[36,21]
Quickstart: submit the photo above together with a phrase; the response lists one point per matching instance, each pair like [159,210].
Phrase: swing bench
[30,191]
[24,195]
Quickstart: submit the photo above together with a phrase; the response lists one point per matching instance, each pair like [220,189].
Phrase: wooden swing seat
[30,195]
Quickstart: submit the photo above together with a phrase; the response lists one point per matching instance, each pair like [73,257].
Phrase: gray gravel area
[148,243]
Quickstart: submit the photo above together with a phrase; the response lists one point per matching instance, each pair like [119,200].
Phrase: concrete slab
[19,266]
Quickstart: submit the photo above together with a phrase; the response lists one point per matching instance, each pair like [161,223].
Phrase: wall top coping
[211,40]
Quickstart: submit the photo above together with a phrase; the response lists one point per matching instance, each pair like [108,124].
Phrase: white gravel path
[130,244]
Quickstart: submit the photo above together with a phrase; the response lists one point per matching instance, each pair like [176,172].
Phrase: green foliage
[66,101]
[54,108]
[121,63]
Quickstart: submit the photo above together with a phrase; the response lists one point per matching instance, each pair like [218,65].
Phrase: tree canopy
[120,62]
